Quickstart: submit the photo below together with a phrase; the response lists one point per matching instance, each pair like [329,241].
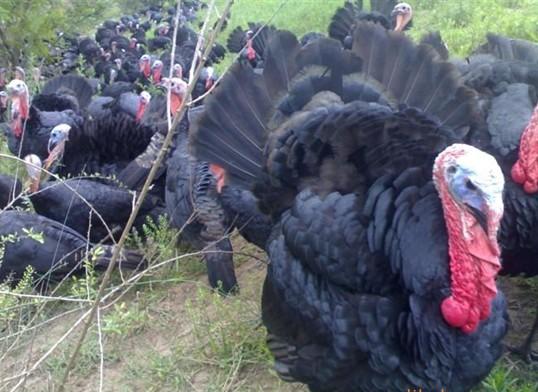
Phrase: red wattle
[156,76]
[208,84]
[220,176]
[147,70]
[474,260]
[530,186]
[251,53]
[23,107]
[175,103]
[455,313]
[140,112]
[16,127]
[518,173]
[472,323]
[525,170]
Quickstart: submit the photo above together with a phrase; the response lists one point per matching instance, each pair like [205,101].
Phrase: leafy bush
[28,28]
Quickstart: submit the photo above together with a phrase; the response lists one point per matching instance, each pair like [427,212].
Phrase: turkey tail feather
[74,85]
[231,132]
[506,48]
[414,76]
[235,40]
[342,21]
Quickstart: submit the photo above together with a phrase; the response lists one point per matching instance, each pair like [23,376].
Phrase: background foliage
[29,27]
[464,24]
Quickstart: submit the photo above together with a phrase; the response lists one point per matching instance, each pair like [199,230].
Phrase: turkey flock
[388,182]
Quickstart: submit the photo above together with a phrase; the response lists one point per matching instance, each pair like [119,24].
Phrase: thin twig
[44,297]
[101,352]
[46,355]
[236,57]
[60,181]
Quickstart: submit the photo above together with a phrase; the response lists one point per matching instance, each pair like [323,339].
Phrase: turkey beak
[399,22]
[51,144]
[403,17]
[55,153]
[480,216]
[58,136]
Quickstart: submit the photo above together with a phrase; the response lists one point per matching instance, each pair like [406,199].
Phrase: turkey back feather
[384,7]
[54,103]
[506,48]
[72,85]
[435,41]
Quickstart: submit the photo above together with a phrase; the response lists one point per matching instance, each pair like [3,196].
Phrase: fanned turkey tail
[236,40]
[261,36]
[72,87]
[342,21]
[409,75]
[232,132]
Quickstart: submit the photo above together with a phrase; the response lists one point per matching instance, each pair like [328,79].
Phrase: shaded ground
[171,336]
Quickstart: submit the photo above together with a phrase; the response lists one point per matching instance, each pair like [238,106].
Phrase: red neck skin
[251,53]
[157,76]
[474,264]
[525,170]
[140,111]
[146,69]
[220,176]
[54,155]
[208,84]
[34,185]
[175,103]
[19,112]
[401,22]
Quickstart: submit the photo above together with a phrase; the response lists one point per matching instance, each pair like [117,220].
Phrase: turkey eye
[470,185]
[451,169]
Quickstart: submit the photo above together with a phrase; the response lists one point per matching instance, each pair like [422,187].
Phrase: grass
[169,332]
[464,24]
